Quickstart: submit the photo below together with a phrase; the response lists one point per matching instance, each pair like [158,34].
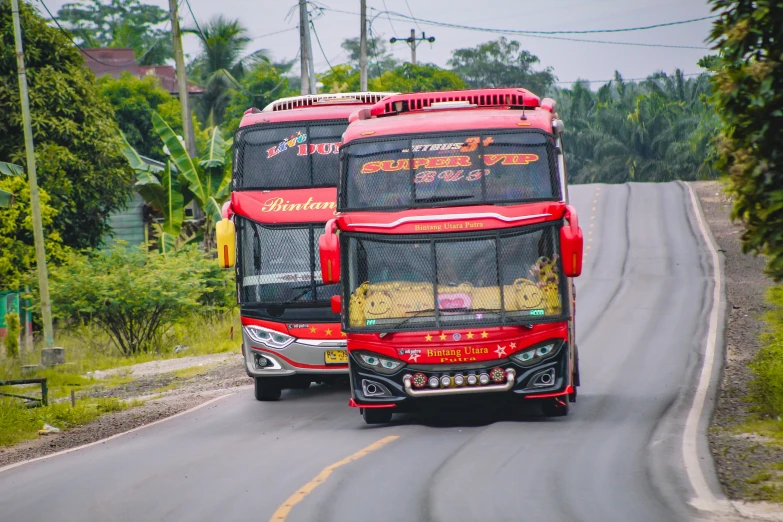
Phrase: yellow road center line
[283,511]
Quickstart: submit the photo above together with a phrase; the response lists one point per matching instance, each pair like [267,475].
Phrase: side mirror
[225,233]
[571,244]
[329,250]
[337,303]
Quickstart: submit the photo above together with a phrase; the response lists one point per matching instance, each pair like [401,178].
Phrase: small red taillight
[419,380]
[497,375]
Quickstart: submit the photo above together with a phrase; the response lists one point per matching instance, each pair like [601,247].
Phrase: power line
[625,79]
[276,32]
[387,17]
[547,34]
[411,12]
[321,47]
[67,34]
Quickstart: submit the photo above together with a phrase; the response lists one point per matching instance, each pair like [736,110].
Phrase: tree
[748,96]
[220,67]
[17,248]
[417,78]
[500,63]
[167,190]
[131,294]
[262,85]
[379,59]
[80,163]
[120,23]
[134,100]
[658,130]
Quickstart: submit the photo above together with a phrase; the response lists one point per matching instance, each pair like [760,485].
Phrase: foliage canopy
[748,96]
[134,100]
[80,164]
[500,63]
[135,295]
[120,23]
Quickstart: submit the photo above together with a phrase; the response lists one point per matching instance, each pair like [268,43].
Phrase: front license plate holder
[336,357]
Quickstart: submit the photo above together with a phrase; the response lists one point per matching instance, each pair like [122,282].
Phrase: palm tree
[221,65]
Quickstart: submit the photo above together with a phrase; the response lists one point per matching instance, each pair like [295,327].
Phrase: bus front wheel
[267,389]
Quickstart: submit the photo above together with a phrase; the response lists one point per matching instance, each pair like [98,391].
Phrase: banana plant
[8,169]
[207,178]
[161,190]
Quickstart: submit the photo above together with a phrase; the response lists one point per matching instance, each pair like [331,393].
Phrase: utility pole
[413,42]
[363,47]
[32,178]
[310,59]
[182,79]
[304,48]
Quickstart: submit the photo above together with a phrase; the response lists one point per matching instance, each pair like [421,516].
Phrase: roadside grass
[766,399]
[88,349]
[767,385]
[18,423]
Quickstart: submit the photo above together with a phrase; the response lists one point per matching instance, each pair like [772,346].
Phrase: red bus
[285,162]
[455,246]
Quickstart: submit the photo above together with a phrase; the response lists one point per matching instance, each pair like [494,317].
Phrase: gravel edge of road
[221,379]
[737,457]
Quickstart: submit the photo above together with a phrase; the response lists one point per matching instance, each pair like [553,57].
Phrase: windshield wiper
[466,309]
[307,289]
[442,198]
[415,315]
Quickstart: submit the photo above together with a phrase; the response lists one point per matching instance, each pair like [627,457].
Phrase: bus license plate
[336,357]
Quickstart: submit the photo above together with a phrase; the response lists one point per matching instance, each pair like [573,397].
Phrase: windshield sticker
[298,140]
[471,144]
[283,205]
[440,162]
[284,145]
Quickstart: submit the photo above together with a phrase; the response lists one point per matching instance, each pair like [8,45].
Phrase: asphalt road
[643,302]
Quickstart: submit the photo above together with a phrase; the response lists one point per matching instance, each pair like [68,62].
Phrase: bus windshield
[452,280]
[280,265]
[287,155]
[485,167]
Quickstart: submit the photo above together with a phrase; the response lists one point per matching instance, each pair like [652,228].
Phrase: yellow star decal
[428,337]
[484,335]
[442,337]
[470,335]
[312,329]
[342,334]
[328,331]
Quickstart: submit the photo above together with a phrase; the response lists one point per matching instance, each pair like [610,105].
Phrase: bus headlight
[267,337]
[533,356]
[377,363]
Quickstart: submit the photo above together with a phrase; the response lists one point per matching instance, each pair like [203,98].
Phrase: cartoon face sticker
[529,295]
[377,303]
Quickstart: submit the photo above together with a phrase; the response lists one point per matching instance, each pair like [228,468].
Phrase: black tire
[376,415]
[554,407]
[575,377]
[267,389]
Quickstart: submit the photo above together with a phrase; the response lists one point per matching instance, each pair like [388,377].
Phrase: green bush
[768,365]
[748,97]
[12,335]
[135,296]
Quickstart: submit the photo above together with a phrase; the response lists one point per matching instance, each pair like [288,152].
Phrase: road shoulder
[739,457]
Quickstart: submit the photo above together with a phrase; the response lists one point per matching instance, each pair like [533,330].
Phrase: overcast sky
[570,60]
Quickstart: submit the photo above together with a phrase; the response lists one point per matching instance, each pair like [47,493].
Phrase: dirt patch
[739,458]
[182,393]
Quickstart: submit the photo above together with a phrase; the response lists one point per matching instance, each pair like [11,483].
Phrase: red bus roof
[327,112]
[449,120]
[453,111]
